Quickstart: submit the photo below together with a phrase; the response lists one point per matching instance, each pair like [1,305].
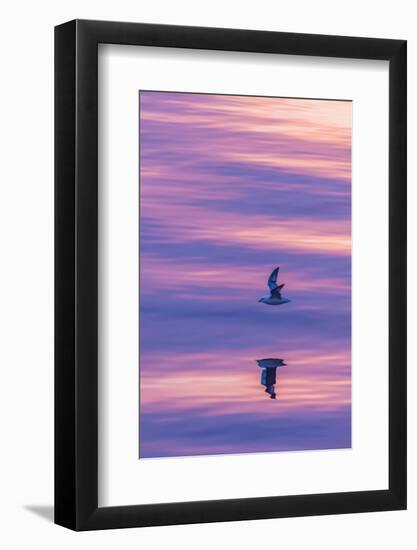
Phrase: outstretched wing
[272,283]
[277,291]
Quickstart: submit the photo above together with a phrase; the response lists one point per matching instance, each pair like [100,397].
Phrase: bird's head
[262,300]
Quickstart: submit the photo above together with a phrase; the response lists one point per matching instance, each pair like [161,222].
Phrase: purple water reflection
[231,187]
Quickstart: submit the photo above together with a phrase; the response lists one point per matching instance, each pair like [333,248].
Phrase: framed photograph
[230,275]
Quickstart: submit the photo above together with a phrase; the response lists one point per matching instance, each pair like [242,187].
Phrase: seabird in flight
[269,374]
[274,298]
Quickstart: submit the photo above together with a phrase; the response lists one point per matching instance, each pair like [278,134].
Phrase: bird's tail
[281,286]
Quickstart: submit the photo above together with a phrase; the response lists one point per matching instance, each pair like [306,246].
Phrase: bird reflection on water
[269,374]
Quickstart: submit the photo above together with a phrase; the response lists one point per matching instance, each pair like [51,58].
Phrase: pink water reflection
[231,187]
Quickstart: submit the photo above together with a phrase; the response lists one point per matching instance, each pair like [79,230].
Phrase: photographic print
[245,274]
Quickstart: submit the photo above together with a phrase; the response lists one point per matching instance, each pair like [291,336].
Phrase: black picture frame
[76,272]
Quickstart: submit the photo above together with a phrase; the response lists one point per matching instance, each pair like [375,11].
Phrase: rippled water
[202,390]
[230,188]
